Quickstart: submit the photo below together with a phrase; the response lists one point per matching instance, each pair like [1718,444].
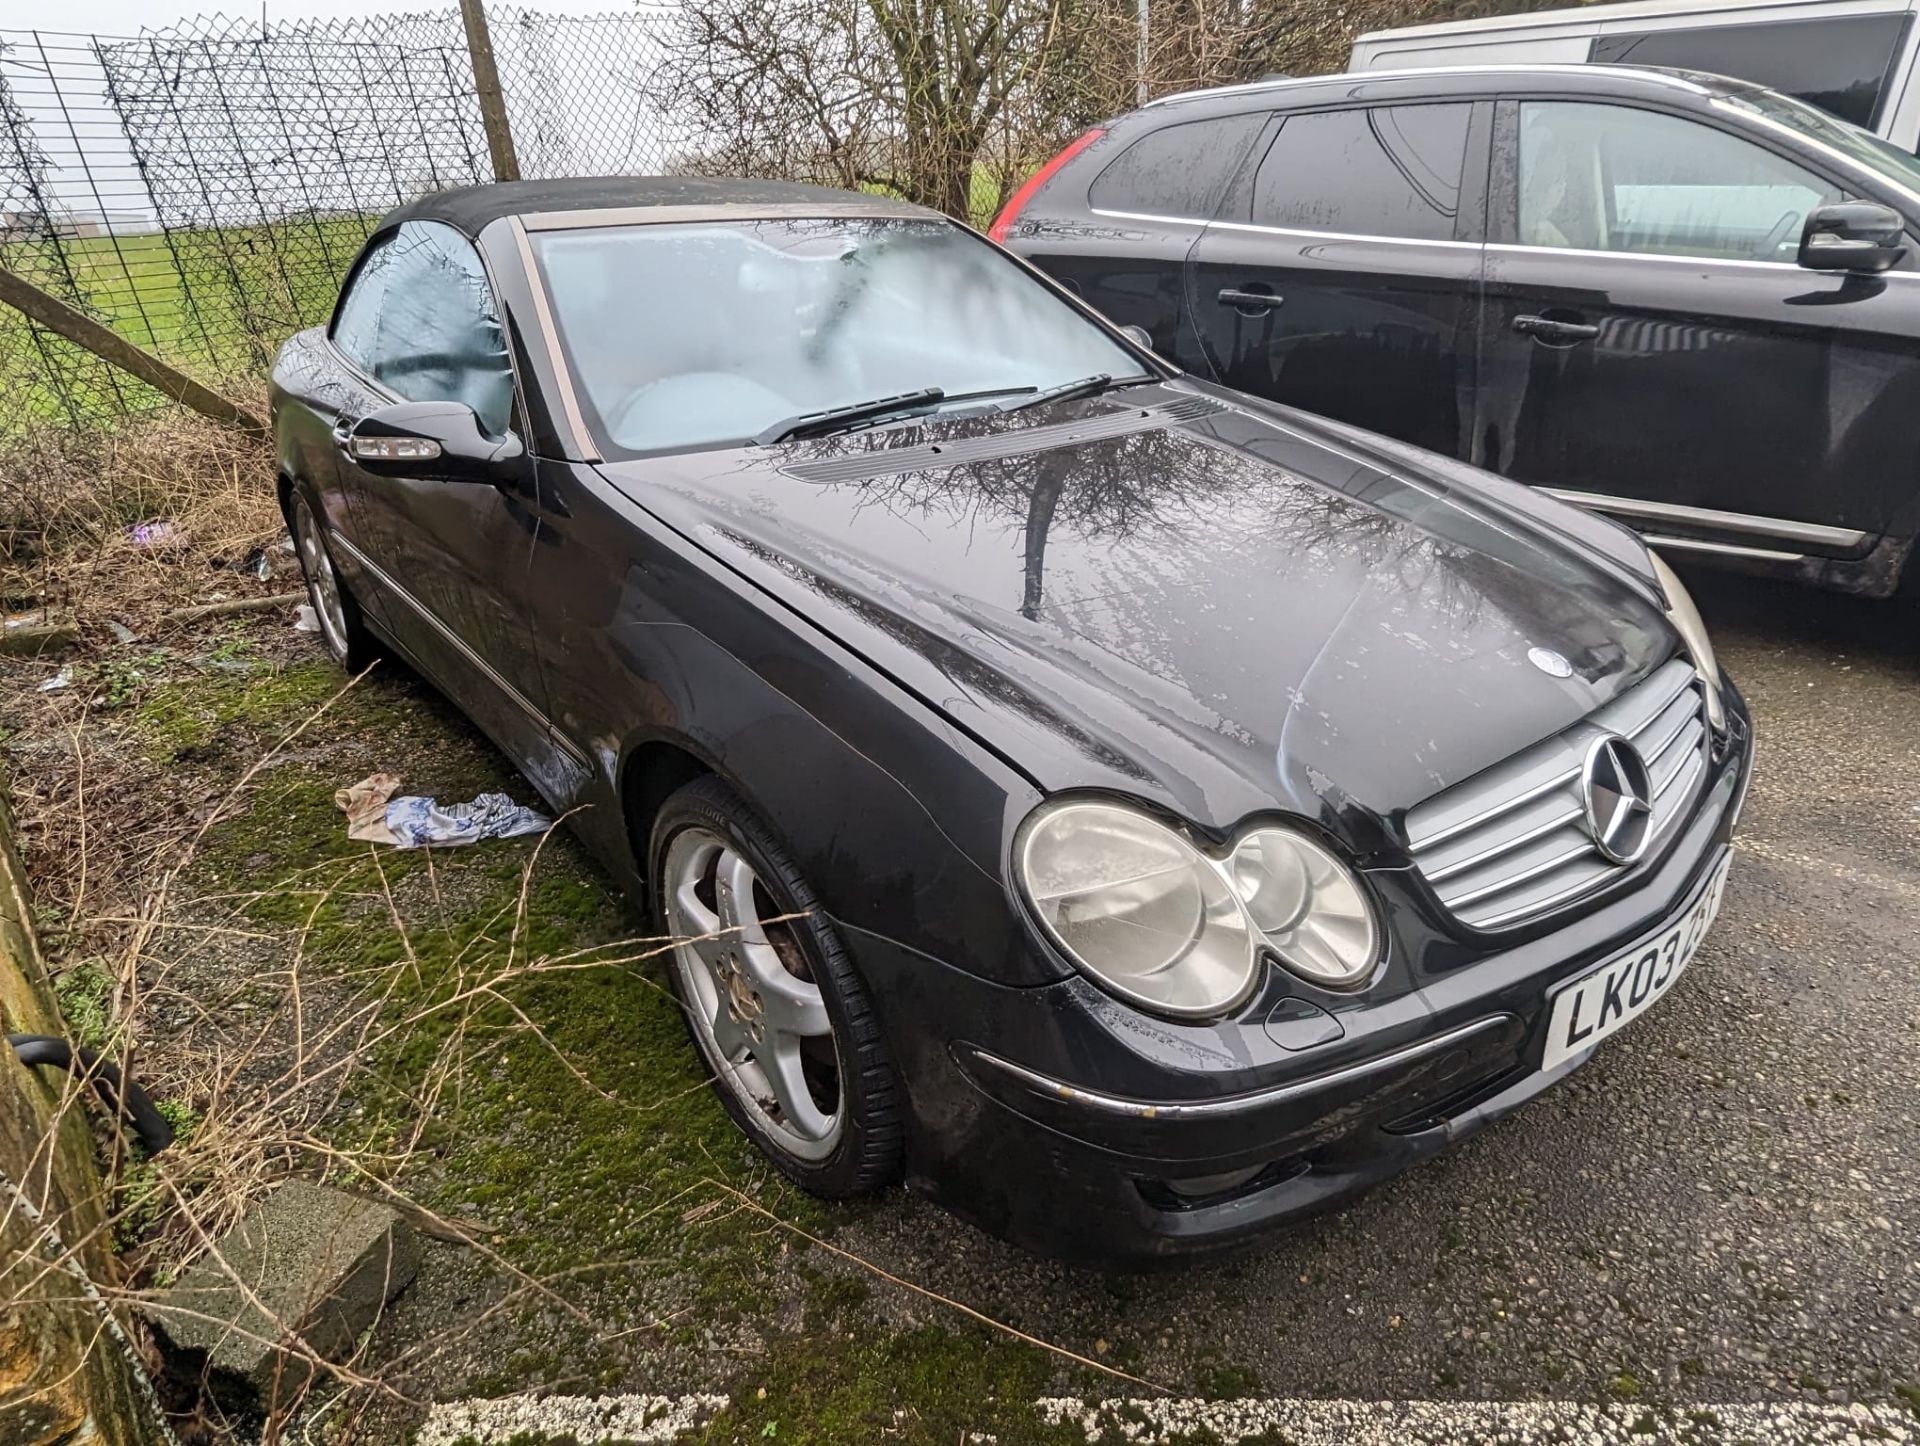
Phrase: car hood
[1219,607]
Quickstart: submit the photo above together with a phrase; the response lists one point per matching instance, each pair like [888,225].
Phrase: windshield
[1861,147]
[684,336]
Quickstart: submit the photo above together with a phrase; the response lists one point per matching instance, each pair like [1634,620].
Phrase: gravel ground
[1719,1208]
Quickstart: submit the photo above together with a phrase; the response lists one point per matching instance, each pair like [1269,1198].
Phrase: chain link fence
[202,188]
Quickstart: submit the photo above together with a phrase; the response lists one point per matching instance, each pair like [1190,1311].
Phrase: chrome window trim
[1237,1104]
[460,645]
[1148,216]
[1672,260]
[580,440]
[1364,77]
[1721,549]
[1345,236]
[1832,154]
[1814,534]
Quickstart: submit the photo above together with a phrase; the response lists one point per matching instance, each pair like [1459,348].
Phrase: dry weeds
[70,504]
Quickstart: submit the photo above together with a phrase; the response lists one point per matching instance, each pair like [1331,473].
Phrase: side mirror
[1852,236]
[441,440]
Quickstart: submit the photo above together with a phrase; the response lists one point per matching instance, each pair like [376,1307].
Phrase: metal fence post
[486,82]
[1143,47]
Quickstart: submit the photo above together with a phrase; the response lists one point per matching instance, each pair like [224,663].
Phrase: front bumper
[1023,1124]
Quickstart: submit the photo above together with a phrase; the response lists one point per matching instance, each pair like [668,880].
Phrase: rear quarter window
[1839,64]
[1391,171]
[1180,170]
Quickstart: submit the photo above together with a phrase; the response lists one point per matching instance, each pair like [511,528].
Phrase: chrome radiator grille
[1511,842]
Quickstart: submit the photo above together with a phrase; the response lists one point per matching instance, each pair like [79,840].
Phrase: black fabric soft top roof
[470,208]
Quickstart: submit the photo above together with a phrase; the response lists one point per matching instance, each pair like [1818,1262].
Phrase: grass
[215,301]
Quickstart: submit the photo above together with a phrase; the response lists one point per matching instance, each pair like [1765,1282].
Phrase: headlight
[1307,904]
[1164,925]
[1686,619]
[1139,908]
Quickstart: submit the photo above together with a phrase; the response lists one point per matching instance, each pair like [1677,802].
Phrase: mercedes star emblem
[1553,664]
[1618,796]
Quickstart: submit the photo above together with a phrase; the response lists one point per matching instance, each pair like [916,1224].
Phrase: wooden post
[486,83]
[67,1371]
[107,344]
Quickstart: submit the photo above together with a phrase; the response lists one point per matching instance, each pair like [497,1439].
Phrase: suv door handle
[1551,331]
[1254,300]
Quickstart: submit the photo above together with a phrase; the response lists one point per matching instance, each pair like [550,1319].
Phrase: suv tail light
[1002,226]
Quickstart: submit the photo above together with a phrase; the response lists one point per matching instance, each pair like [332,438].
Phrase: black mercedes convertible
[1133,813]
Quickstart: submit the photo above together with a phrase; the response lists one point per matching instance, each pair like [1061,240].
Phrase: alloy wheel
[323,584]
[757,1010]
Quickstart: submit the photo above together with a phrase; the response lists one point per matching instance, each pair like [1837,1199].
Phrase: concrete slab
[310,1264]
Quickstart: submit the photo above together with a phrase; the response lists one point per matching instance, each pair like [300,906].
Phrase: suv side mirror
[1852,236]
[441,440]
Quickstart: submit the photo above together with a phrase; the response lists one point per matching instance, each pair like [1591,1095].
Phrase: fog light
[1200,1187]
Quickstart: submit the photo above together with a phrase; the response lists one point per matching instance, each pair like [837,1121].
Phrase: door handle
[1554,332]
[1256,300]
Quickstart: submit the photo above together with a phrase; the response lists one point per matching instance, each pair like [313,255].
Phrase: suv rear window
[1840,65]
[1392,171]
[1177,171]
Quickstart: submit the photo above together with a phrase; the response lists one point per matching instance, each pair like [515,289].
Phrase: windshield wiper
[818,424]
[1066,391]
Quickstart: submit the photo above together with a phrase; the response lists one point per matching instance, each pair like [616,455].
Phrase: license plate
[1606,999]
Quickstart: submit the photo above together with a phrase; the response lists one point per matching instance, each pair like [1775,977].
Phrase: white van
[1855,58]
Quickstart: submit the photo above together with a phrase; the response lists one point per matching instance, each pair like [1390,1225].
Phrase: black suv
[1686,301]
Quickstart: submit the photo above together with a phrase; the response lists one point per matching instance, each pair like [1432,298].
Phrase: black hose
[123,1098]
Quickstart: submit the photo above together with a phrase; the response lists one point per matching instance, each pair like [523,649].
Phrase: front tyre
[341,629]
[775,1009]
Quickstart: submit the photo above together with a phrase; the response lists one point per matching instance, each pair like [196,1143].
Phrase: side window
[1179,170]
[358,319]
[1389,171]
[1612,178]
[438,338]
[1839,64]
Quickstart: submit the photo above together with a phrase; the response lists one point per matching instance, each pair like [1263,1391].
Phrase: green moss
[184,717]
[85,993]
[859,1384]
[1626,1385]
[1908,1394]
[138,1199]
[574,1118]
[1226,1381]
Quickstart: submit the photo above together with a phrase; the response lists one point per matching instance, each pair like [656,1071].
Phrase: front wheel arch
[651,773]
